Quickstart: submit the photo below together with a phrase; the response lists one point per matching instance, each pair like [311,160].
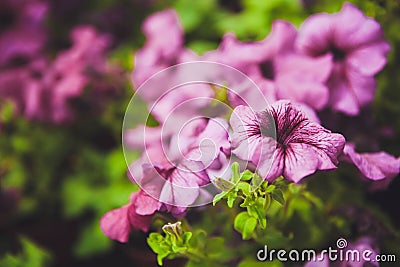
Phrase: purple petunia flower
[297,149]
[22,33]
[374,166]
[41,89]
[163,46]
[276,67]
[358,49]
[117,224]
[361,245]
[173,170]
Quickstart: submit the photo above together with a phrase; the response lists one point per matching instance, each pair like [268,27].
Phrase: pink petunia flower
[164,48]
[174,169]
[74,68]
[276,67]
[358,49]
[23,35]
[283,141]
[117,224]
[378,166]
[42,89]
[352,255]
[163,45]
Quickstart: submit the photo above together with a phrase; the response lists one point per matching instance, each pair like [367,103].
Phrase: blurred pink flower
[42,89]
[74,68]
[360,245]
[374,166]
[172,170]
[297,149]
[358,49]
[164,40]
[23,87]
[275,66]
[164,48]
[117,224]
[23,35]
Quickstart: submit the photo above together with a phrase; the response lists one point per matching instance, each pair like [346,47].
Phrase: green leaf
[313,199]
[92,241]
[215,247]
[247,202]
[201,46]
[294,189]
[245,187]
[223,184]
[246,175]
[231,199]
[161,256]
[31,255]
[245,224]
[199,238]
[249,227]
[278,196]
[235,173]
[256,181]
[218,197]
[6,111]
[270,188]
[186,237]
[240,220]
[157,243]
[177,248]
[258,213]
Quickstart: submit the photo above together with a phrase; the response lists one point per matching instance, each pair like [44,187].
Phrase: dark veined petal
[300,147]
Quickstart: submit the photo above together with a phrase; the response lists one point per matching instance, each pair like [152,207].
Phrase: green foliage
[256,196]
[31,255]
[245,224]
[197,247]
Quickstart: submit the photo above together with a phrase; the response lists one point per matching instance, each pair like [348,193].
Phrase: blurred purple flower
[41,89]
[21,34]
[117,224]
[172,170]
[300,148]
[361,245]
[23,87]
[275,66]
[358,49]
[164,48]
[74,68]
[164,40]
[374,166]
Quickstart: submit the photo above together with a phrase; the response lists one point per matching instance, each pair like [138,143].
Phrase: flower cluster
[40,87]
[320,67]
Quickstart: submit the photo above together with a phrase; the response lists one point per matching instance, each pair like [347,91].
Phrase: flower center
[7,19]
[267,69]
[338,54]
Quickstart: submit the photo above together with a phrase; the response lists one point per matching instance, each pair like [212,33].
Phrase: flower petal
[144,204]
[370,59]
[314,34]
[374,166]
[342,98]
[115,224]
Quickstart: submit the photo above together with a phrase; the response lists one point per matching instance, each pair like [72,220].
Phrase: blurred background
[65,70]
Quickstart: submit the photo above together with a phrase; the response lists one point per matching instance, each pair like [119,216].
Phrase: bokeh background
[65,70]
